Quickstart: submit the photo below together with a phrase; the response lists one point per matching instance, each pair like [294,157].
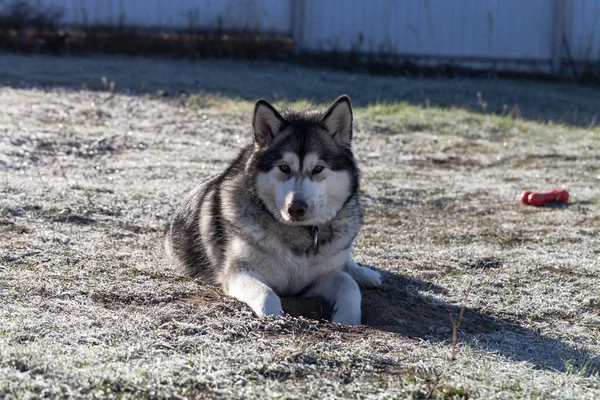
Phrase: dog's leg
[339,289]
[248,288]
[364,276]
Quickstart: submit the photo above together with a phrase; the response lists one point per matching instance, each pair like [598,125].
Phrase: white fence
[582,28]
[523,35]
[526,35]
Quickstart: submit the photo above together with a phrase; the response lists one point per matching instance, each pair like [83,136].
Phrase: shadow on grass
[560,206]
[402,306]
[565,103]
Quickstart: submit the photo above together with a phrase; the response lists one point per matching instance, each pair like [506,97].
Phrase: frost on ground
[89,308]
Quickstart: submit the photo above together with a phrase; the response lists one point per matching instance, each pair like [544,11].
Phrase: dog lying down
[281,219]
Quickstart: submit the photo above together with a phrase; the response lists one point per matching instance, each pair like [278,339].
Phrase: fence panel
[503,29]
[583,30]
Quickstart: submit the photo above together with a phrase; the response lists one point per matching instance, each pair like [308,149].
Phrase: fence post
[560,7]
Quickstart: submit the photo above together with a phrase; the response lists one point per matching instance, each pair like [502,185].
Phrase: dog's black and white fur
[281,219]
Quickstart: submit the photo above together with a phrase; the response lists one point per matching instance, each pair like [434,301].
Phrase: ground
[90,172]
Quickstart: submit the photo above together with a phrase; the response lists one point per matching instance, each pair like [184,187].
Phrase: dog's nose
[297,209]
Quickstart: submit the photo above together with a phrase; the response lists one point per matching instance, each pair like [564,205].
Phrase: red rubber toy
[524,197]
[538,199]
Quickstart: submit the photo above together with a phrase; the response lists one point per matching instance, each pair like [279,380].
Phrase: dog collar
[315,235]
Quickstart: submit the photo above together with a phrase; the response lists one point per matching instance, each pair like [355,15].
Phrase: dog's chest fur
[284,255]
[287,261]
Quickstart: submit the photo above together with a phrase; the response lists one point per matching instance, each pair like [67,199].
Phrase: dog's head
[305,170]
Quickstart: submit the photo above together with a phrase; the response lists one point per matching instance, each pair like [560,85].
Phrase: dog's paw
[346,317]
[366,277]
[270,306]
[270,313]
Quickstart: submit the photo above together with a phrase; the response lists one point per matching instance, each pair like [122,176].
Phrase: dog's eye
[284,168]
[317,170]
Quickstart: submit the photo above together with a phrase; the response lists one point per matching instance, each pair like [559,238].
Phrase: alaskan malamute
[281,219]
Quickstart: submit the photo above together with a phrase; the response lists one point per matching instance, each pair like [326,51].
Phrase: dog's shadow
[402,305]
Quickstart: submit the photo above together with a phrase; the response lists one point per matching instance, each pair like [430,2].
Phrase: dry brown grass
[90,309]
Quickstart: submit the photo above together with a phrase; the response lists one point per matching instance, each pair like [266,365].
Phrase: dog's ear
[266,122]
[338,120]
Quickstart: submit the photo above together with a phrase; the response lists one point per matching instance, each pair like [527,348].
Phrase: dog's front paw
[346,317]
[252,291]
[270,306]
[365,277]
